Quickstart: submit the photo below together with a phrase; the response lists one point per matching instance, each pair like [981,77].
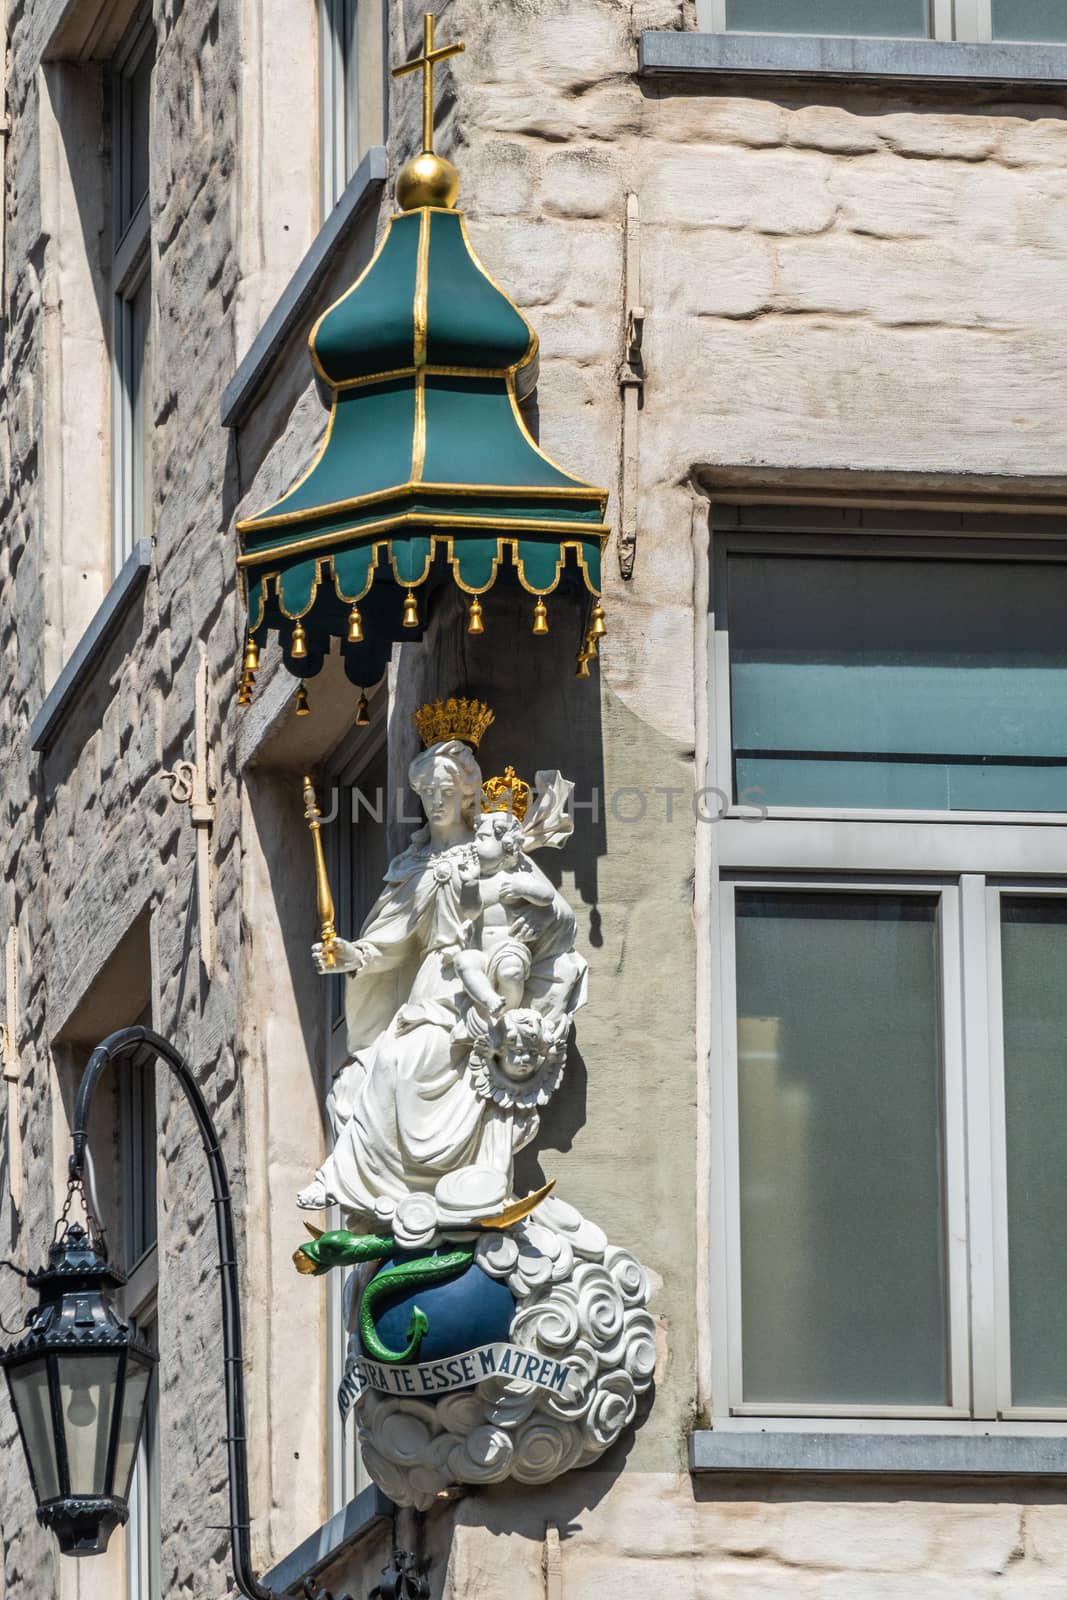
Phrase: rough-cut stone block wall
[862,280]
[91,837]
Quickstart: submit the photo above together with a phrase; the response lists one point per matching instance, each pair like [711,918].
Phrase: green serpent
[343,1249]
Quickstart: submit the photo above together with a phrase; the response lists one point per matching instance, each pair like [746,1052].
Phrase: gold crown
[508,793]
[453,719]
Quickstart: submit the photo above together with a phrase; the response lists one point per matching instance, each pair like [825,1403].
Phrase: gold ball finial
[427,180]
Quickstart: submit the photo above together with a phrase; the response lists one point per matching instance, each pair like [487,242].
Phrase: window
[137,1148]
[891,750]
[131,288]
[354,88]
[359,855]
[1036,21]
[895,682]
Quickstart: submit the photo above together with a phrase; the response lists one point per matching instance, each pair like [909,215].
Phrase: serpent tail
[399,1279]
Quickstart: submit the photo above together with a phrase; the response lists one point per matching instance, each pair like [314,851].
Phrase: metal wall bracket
[190,786]
[632,384]
[11,1062]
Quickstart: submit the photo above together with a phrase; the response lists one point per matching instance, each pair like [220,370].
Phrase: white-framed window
[972,21]
[131,286]
[890,887]
[137,1150]
[357,856]
[354,88]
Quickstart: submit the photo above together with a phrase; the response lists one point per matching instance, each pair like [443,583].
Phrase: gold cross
[427,61]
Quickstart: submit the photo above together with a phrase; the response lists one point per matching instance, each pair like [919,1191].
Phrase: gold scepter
[313,818]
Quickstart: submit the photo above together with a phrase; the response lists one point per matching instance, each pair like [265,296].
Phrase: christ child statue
[511,892]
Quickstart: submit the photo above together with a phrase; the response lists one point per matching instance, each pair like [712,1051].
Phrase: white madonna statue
[459,996]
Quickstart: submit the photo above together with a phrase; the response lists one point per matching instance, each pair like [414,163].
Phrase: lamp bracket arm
[143,1048]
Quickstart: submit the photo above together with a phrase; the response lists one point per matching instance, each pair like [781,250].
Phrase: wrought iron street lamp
[79,1375]
[78,1381]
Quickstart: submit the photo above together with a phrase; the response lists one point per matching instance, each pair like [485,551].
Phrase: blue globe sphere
[471,1310]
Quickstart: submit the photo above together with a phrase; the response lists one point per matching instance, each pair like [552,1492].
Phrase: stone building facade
[833,270]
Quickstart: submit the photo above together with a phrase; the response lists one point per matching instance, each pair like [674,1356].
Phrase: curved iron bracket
[142,1046]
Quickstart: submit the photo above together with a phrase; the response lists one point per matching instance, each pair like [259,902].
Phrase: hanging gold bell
[475,624]
[355,626]
[410,618]
[362,711]
[600,627]
[251,656]
[299,649]
[582,669]
[540,626]
[303,709]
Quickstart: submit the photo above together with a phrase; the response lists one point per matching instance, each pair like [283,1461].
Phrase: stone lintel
[91,645]
[322,1548]
[740,55]
[723,1450]
[245,387]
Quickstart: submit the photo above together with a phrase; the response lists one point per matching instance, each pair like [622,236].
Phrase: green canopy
[427,474]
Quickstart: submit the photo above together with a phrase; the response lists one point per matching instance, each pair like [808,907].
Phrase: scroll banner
[430,1378]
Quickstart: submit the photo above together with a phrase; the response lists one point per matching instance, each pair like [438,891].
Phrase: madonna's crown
[453,719]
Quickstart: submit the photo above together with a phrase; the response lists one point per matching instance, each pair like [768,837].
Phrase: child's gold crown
[453,719]
[508,793]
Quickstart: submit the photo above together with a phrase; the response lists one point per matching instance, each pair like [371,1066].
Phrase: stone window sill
[92,645]
[810,56]
[244,388]
[346,1528]
[722,1450]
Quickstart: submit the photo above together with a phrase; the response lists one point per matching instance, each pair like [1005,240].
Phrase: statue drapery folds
[491,1336]
[463,983]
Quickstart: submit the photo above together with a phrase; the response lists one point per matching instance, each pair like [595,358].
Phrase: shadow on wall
[545,717]
[870,99]
[285,995]
[561,1121]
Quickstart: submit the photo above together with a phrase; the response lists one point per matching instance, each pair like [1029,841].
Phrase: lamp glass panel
[29,1393]
[839,1099]
[1033,955]
[898,19]
[87,1384]
[138,1375]
[1031,21]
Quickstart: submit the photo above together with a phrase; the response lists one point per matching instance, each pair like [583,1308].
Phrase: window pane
[904,19]
[1040,21]
[350,50]
[143,1534]
[132,459]
[842,1217]
[139,89]
[1034,958]
[140,311]
[936,685]
[139,1160]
